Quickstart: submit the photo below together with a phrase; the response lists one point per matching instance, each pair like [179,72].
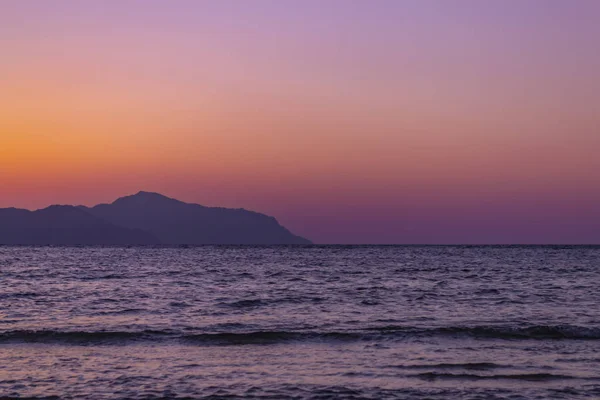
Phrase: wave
[271,337]
[526,332]
[476,366]
[51,336]
[399,333]
[500,332]
[239,337]
[536,377]
[256,303]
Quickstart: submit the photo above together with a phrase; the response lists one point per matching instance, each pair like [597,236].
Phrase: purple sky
[450,121]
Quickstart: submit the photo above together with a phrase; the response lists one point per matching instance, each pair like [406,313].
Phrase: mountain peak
[146,193]
[143,197]
[143,218]
[154,195]
[175,222]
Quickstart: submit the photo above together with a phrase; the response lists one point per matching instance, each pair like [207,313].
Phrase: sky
[350,121]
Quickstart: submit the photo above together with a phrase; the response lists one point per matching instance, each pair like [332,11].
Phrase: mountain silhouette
[144,218]
[65,225]
[175,222]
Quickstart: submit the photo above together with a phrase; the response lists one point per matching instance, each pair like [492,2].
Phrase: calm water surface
[300,322]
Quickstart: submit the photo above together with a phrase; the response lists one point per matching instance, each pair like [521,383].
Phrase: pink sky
[351,122]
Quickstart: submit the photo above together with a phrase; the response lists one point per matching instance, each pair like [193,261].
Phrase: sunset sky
[400,121]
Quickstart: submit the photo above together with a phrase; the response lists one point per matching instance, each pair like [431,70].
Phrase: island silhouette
[145,218]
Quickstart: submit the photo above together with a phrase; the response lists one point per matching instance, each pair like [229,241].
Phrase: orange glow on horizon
[332,112]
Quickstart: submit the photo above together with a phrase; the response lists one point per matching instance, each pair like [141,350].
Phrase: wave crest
[240,337]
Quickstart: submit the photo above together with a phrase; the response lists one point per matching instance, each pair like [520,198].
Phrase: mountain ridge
[64,225]
[142,218]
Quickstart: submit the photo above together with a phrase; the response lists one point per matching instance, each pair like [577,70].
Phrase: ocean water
[300,322]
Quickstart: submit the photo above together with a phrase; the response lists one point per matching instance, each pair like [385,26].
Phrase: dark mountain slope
[176,222]
[65,225]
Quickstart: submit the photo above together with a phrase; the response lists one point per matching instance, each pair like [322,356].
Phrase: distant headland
[142,219]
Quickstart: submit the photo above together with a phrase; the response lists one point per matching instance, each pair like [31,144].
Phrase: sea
[300,322]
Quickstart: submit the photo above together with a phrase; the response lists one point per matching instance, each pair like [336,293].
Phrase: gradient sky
[400,121]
